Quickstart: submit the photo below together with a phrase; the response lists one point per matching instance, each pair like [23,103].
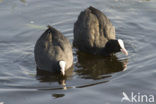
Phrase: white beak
[62,66]
[63,72]
[124,51]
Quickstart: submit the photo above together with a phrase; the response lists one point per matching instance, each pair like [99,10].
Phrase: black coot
[95,34]
[53,52]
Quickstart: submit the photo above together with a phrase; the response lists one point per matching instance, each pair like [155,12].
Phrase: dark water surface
[95,80]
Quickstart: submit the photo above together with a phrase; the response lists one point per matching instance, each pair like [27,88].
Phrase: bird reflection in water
[45,76]
[58,95]
[87,67]
[98,67]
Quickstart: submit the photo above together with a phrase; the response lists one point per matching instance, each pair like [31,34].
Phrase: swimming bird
[53,52]
[95,34]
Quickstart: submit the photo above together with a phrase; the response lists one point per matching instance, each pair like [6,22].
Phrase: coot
[95,34]
[53,52]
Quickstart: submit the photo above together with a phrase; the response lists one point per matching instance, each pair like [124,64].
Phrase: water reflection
[44,76]
[58,95]
[87,67]
[98,67]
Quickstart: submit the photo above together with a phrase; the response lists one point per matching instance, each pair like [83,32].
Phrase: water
[95,80]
